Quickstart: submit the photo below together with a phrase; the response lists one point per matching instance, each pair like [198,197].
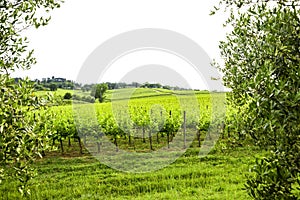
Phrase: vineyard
[139,124]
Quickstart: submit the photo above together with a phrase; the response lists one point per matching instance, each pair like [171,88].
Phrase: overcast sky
[78,27]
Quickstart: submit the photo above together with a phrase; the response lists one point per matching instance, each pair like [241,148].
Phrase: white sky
[149,57]
[78,27]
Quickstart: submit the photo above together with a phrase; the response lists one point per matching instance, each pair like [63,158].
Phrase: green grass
[220,175]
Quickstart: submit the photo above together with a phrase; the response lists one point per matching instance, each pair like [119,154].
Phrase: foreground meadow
[220,175]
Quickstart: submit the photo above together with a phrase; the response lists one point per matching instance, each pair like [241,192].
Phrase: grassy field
[220,175]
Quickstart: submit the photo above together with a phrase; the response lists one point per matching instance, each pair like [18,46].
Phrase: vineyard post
[184,128]
[150,139]
[168,133]
[172,133]
[143,126]
[129,139]
[199,138]
[144,140]
[168,141]
[136,133]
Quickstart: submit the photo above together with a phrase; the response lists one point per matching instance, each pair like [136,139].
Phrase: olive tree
[262,68]
[23,130]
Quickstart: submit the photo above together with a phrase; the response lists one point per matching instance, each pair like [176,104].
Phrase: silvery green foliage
[262,68]
[23,128]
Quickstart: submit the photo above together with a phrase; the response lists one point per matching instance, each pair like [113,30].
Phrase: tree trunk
[69,141]
[61,146]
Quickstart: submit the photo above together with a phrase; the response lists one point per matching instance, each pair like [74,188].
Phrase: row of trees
[55,82]
[112,86]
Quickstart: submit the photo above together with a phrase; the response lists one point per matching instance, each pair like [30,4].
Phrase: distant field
[137,92]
